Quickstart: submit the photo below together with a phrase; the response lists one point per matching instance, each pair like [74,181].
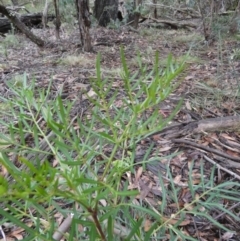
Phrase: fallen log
[30,20]
[174,24]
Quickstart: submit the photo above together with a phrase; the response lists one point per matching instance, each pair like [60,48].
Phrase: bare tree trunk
[206,26]
[155,9]
[21,26]
[233,27]
[105,10]
[58,21]
[84,24]
[136,13]
[44,14]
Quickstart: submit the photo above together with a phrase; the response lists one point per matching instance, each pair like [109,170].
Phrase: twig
[2,233]
[222,168]
[208,149]
[63,228]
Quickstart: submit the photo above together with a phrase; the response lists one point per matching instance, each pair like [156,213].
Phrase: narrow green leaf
[107,137]
[110,229]
[127,193]
[135,229]
[62,114]
[17,222]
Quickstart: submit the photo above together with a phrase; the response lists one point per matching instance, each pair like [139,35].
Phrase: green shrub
[90,155]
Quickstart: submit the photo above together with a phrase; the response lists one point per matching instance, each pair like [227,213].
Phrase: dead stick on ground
[211,150]
[63,228]
[221,168]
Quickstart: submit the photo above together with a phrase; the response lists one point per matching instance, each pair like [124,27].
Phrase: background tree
[137,13]
[105,10]
[84,24]
[45,13]
[58,21]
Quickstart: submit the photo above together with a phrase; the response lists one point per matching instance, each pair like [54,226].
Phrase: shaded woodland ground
[205,132]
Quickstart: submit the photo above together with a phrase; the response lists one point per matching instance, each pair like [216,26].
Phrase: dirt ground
[209,87]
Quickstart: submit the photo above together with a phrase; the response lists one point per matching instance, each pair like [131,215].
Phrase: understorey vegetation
[123,124]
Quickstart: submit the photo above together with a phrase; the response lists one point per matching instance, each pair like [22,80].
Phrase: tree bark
[233,27]
[84,24]
[136,14]
[58,21]
[21,26]
[44,14]
[155,9]
[105,10]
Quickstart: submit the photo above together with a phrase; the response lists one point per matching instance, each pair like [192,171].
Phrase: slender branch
[96,221]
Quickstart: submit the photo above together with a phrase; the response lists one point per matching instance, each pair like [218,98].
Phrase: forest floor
[209,88]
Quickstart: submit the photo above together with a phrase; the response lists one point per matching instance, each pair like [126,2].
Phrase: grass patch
[76,60]
[188,38]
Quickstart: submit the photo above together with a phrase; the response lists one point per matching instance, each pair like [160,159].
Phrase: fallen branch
[229,123]
[28,19]
[174,24]
[13,18]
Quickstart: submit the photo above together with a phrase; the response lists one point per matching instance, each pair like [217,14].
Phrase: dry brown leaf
[147,225]
[188,206]
[226,136]
[17,233]
[166,148]
[202,209]
[118,103]
[156,137]
[91,93]
[189,77]
[188,105]
[3,171]
[174,221]
[132,186]
[103,202]
[177,179]
[227,235]
[138,174]
[185,195]
[232,153]
[81,86]
[59,77]
[144,189]
[176,205]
